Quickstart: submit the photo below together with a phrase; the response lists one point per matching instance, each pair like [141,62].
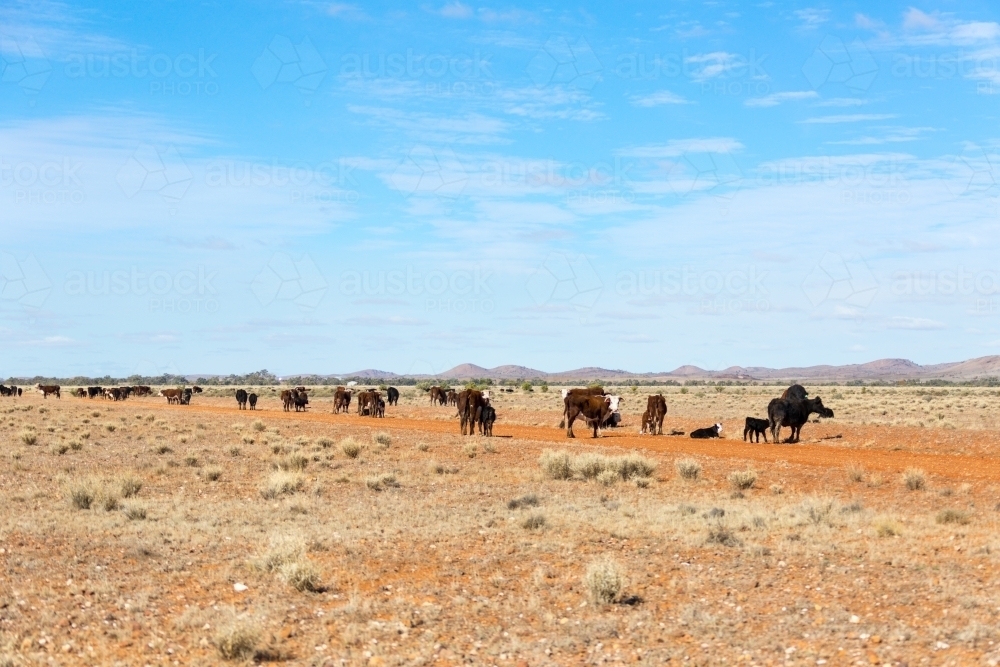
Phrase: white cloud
[678,147]
[914,323]
[847,118]
[657,99]
[842,102]
[812,17]
[455,10]
[710,65]
[774,99]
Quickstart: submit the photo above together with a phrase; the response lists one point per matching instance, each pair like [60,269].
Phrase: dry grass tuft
[557,465]
[28,437]
[948,516]
[529,500]
[381,481]
[129,485]
[301,575]
[293,462]
[258,426]
[742,480]
[856,472]
[213,474]
[915,479]
[534,522]
[134,511]
[470,450]
[604,580]
[237,642]
[350,447]
[688,468]
[382,440]
[282,483]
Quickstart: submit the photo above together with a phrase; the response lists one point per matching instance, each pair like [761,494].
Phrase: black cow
[793,413]
[241,398]
[756,427]
[186,396]
[710,432]
[93,392]
[379,407]
[300,399]
[392,396]
[253,401]
[486,418]
[796,391]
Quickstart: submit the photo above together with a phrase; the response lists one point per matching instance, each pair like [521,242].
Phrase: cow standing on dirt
[172,395]
[594,409]
[392,396]
[241,399]
[575,394]
[253,401]
[756,427]
[366,403]
[470,406]
[656,407]
[438,396]
[793,413]
[47,389]
[451,397]
[341,399]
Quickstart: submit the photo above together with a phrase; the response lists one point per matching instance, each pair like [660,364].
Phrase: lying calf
[710,432]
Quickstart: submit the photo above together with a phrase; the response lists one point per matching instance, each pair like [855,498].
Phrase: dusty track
[839,453]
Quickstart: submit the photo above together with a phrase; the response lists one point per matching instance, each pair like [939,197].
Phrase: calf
[486,418]
[286,399]
[710,432]
[300,400]
[647,424]
[438,396]
[756,427]
[379,407]
[241,399]
[253,401]
[341,399]
[185,397]
[80,392]
[452,397]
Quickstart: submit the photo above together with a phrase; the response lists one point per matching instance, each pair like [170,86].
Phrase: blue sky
[324,187]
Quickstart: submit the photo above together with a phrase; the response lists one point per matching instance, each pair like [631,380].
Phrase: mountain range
[880,369]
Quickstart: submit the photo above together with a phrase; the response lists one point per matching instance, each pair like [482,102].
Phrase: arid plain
[139,533]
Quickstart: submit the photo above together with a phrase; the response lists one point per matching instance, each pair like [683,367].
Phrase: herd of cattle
[593,405]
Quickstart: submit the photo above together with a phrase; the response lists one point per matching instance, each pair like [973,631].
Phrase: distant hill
[879,369]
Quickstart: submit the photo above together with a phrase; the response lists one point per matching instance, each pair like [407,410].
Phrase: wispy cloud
[812,17]
[842,102]
[657,99]
[914,323]
[455,10]
[774,99]
[848,118]
[710,65]
[677,147]
[893,135]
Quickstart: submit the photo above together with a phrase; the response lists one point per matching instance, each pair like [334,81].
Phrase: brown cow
[470,406]
[80,392]
[47,389]
[172,395]
[142,390]
[438,396]
[286,399]
[366,403]
[567,393]
[451,397]
[656,406]
[594,409]
[341,399]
